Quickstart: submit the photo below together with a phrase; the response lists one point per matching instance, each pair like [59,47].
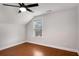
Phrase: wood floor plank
[30,49]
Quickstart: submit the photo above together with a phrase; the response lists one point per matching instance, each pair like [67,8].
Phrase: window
[37,27]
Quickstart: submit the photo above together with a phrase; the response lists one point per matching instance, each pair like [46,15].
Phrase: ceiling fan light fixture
[22,9]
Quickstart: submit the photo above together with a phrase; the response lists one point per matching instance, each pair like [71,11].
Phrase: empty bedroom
[39,29]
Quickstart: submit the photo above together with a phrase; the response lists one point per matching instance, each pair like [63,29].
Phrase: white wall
[11,34]
[59,30]
[12,30]
[78,30]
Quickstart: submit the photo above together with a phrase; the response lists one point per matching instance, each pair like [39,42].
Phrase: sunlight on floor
[37,53]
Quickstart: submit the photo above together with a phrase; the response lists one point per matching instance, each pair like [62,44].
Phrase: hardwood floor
[30,49]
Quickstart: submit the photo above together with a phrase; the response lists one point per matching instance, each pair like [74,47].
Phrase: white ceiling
[9,15]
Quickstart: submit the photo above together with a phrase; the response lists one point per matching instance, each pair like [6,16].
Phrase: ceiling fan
[23,7]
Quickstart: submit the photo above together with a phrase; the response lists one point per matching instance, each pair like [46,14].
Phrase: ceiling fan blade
[23,4]
[11,5]
[20,4]
[32,5]
[29,10]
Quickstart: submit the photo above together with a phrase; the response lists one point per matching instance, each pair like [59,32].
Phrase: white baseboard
[12,45]
[67,49]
